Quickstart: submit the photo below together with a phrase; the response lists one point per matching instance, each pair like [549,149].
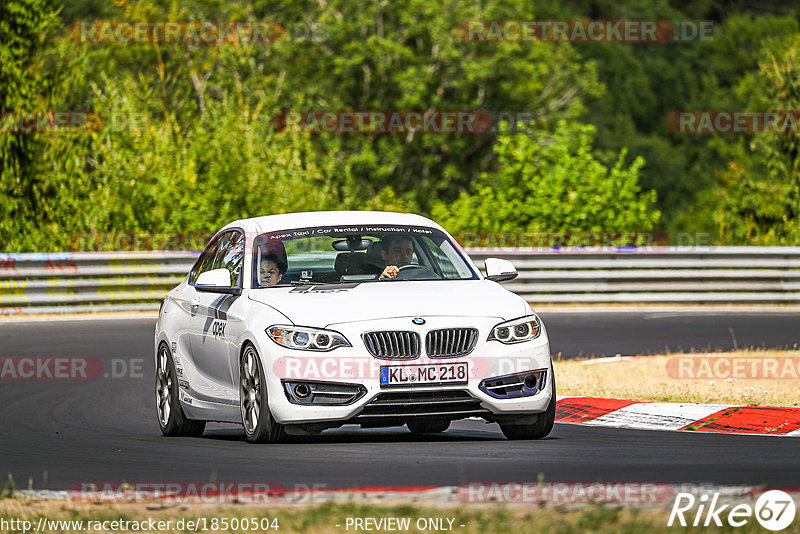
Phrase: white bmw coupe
[293,324]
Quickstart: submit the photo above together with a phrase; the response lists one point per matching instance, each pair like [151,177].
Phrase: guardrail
[123,281]
[89,281]
[655,275]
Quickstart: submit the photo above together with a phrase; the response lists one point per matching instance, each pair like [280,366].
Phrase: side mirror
[500,270]
[216,281]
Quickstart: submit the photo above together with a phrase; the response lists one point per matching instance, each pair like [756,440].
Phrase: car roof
[288,221]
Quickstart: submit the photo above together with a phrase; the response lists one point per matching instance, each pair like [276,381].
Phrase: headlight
[517,330]
[302,338]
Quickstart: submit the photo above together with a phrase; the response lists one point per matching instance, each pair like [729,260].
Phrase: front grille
[450,342]
[392,344]
[452,404]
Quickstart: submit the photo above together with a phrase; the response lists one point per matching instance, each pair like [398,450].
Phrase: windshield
[336,254]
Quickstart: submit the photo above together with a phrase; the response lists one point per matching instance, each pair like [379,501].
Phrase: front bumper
[389,406]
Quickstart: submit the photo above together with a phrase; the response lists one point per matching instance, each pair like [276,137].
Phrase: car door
[187,299]
[214,330]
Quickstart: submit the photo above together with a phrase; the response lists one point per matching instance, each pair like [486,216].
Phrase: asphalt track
[58,433]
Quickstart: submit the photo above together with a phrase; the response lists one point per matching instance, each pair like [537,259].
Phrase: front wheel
[259,425]
[543,425]
[171,419]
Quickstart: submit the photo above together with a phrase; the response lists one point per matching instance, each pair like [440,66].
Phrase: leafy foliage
[188,142]
[758,200]
[227,164]
[36,188]
[550,183]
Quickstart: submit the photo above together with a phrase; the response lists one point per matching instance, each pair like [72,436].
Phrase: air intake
[517,385]
[322,393]
[401,406]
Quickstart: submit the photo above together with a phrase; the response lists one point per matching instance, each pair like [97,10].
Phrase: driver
[396,252]
[271,270]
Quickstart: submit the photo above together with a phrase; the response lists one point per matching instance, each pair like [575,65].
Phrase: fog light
[531,380]
[302,391]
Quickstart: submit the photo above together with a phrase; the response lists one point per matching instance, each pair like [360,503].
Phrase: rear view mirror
[351,244]
[500,270]
[216,281]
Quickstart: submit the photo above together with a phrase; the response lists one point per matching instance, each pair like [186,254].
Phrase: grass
[7,490]
[657,378]
[323,519]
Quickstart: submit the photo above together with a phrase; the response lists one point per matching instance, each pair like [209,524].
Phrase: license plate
[424,374]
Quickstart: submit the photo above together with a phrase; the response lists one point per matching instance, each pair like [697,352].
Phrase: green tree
[411,56]
[196,175]
[37,193]
[188,144]
[757,198]
[377,56]
[647,81]
[553,183]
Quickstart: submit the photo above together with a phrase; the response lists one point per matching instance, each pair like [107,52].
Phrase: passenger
[271,270]
[396,252]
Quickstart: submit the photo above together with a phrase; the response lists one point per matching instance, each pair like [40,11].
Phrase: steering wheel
[424,272]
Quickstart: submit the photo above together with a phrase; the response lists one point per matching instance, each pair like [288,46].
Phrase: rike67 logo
[774,510]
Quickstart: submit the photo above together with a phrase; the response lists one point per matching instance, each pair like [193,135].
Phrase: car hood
[326,304]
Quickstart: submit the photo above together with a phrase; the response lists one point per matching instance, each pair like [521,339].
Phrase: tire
[543,425]
[171,419]
[259,425]
[427,427]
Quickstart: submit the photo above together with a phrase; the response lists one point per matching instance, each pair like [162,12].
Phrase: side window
[230,255]
[205,261]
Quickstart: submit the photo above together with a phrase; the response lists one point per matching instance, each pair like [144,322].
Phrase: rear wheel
[544,422]
[259,425]
[427,427]
[171,419]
